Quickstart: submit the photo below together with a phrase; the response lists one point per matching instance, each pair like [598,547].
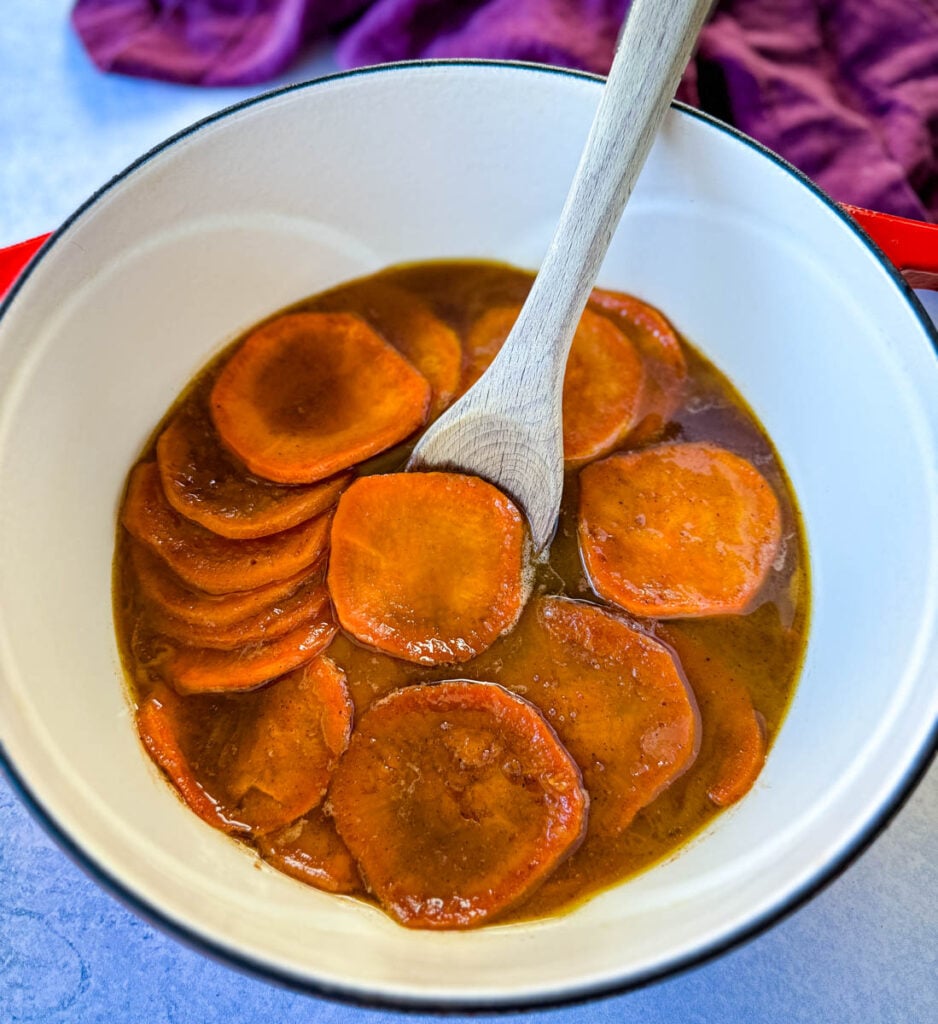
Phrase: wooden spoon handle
[508,427]
[653,51]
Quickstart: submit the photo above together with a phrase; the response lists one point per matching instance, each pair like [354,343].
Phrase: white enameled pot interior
[282,198]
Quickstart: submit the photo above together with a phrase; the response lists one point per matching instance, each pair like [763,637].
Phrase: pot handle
[15,258]
[910,245]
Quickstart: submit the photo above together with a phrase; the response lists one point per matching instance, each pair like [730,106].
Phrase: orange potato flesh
[612,694]
[602,390]
[456,800]
[484,340]
[311,851]
[291,747]
[268,756]
[618,701]
[309,394]
[428,567]
[206,561]
[660,349]
[281,617]
[158,728]
[678,530]
[204,483]
[412,328]
[165,592]
[202,670]
[603,384]
[733,737]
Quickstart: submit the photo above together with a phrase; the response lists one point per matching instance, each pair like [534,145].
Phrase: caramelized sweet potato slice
[204,483]
[311,851]
[602,390]
[206,561]
[483,341]
[409,324]
[602,387]
[162,589]
[660,348]
[280,617]
[310,394]
[256,761]
[733,742]
[456,800]
[678,530]
[615,696]
[201,670]
[291,746]
[428,567]
[158,726]
[619,703]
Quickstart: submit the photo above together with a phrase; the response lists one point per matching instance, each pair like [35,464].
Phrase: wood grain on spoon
[507,428]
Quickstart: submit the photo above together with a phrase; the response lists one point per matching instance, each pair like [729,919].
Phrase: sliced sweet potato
[660,348]
[311,851]
[733,742]
[678,530]
[617,699]
[159,728]
[161,588]
[309,394]
[483,341]
[409,324]
[206,561]
[602,390]
[460,292]
[602,387]
[615,696]
[204,483]
[256,761]
[429,567]
[281,617]
[201,670]
[456,800]
[291,745]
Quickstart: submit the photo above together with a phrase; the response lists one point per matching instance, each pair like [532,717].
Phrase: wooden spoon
[507,428]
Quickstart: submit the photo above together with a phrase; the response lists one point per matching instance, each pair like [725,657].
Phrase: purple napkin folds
[847,90]
[203,42]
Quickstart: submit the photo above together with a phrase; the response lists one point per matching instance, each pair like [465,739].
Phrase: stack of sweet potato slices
[250,543]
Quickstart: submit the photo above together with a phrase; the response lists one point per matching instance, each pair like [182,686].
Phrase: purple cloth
[847,90]
[203,42]
[569,33]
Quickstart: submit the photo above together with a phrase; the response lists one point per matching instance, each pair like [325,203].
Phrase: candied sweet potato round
[429,567]
[273,621]
[164,591]
[678,530]
[619,703]
[160,728]
[206,561]
[733,740]
[290,745]
[311,851]
[268,756]
[602,390]
[456,800]
[204,483]
[409,324]
[483,341]
[203,670]
[307,395]
[660,349]
[602,387]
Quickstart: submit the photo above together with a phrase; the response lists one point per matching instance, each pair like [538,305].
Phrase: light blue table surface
[865,950]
